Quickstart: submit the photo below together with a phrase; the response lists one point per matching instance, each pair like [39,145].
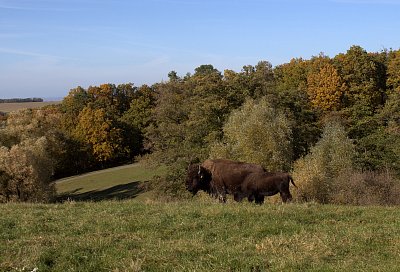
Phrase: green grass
[198,235]
[119,182]
[145,234]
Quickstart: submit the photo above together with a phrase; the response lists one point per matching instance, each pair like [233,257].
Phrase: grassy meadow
[9,107]
[200,234]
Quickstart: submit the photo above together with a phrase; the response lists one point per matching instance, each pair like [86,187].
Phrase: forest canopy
[279,117]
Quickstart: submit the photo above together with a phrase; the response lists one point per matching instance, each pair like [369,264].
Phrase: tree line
[21,100]
[325,119]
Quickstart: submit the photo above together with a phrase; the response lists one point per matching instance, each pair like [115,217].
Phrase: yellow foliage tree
[325,88]
[97,130]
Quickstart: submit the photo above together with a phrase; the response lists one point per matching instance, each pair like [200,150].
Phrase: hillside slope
[121,182]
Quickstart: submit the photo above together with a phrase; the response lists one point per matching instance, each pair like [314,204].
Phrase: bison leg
[259,199]
[238,197]
[250,198]
[222,198]
[218,193]
[286,196]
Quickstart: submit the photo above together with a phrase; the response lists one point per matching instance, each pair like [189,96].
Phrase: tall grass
[198,235]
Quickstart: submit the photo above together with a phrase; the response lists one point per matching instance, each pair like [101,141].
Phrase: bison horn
[199,170]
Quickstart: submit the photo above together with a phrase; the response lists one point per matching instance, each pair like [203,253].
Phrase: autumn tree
[393,71]
[100,133]
[108,103]
[325,87]
[31,152]
[30,123]
[292,97]
[27,169]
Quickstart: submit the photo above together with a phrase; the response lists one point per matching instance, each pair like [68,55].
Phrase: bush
[315,173]
[171,186]
[366,188]
[25,172]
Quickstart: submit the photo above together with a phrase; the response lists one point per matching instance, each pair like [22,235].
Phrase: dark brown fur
[258,185]
[219,177]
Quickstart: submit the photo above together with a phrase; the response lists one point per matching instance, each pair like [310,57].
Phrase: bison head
[198,178]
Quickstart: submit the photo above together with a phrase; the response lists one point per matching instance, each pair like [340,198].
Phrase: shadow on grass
[118,192]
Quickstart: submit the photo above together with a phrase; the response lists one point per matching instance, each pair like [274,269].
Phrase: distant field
[9,107]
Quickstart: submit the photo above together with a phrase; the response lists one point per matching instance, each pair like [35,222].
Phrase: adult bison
[258,185]
[219,177]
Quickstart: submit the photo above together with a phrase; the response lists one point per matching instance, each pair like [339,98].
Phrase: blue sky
[48,47]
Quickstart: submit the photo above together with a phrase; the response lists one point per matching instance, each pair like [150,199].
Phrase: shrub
[315,173]
[25,172]
[171,185]
[366,188]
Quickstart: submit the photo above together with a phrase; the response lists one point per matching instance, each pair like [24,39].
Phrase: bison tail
[291,180]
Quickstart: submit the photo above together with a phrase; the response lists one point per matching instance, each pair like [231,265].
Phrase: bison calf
[258,185]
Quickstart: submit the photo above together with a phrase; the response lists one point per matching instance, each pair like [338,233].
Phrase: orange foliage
[325,88]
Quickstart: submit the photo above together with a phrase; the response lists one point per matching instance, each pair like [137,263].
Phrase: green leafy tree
[251,82]
[292,76]
[362,76]
[188,115]
[236,88]
[380,148]
[206,69]
[166,135]
[257,133]
[173,76]
[393,71]
[138,118]
[291,85]
[71,106]
[257,81]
